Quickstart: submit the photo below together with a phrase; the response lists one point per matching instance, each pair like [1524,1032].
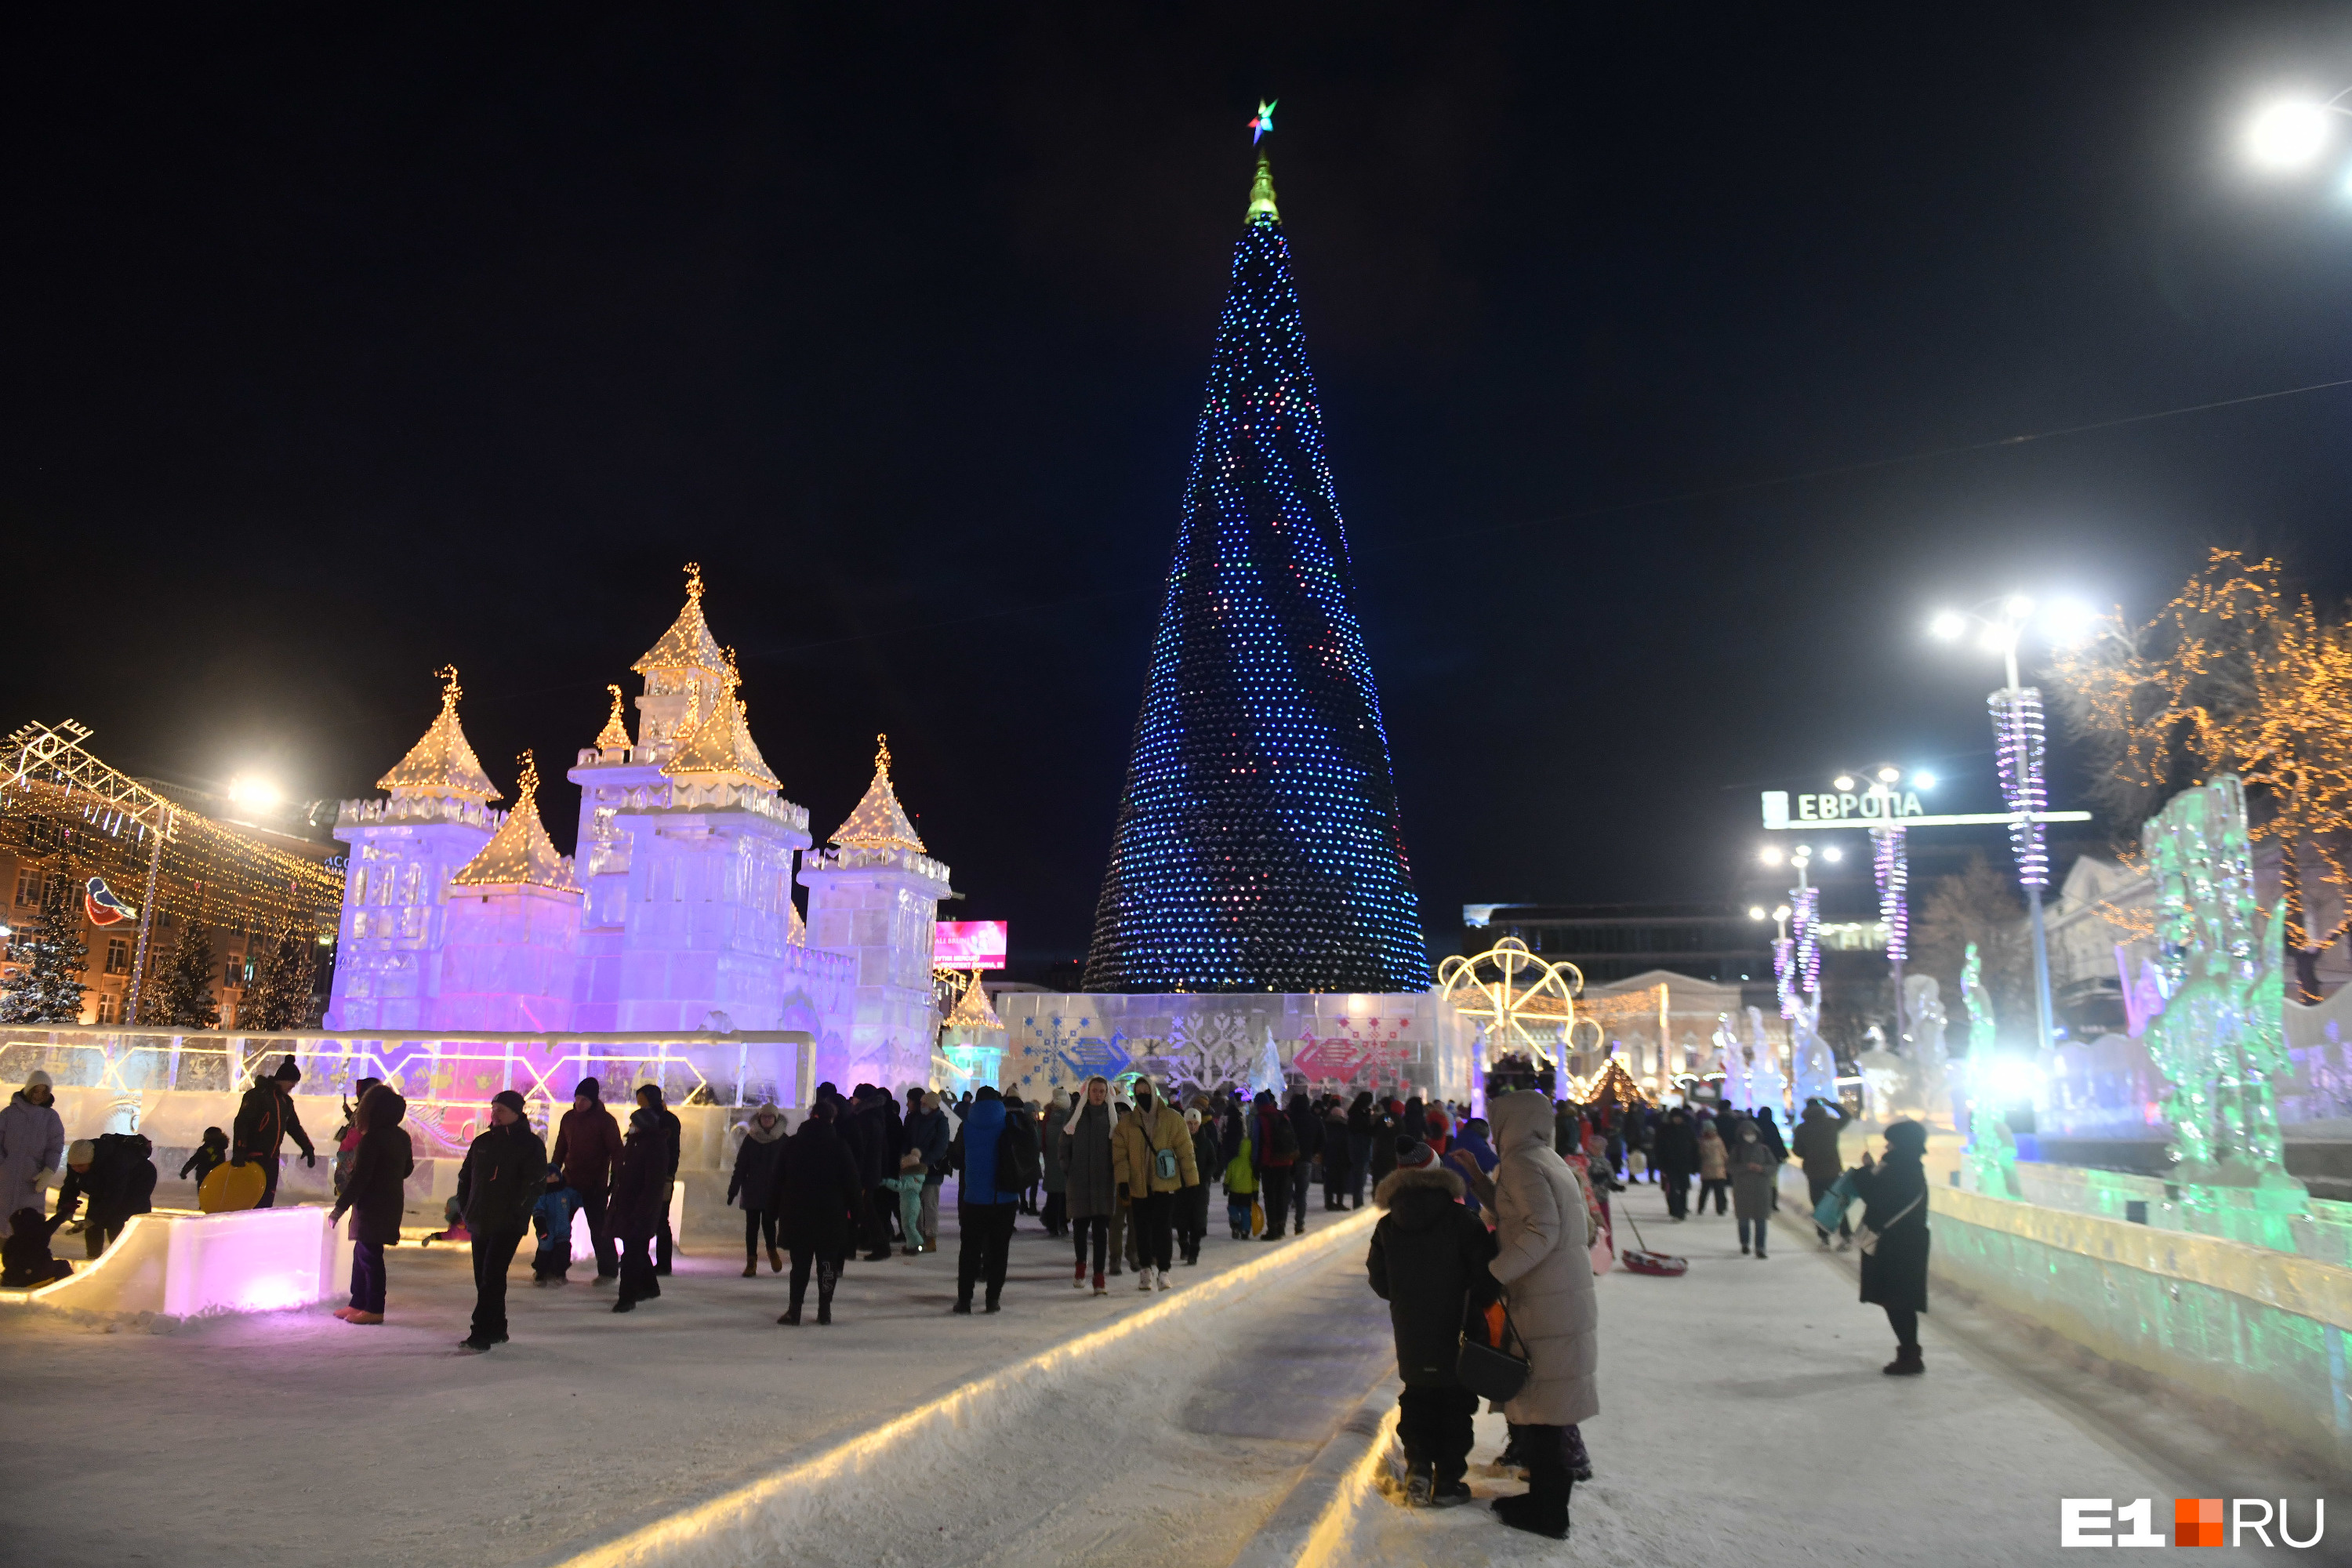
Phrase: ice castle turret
[874,895]
[511,943]
[403,850]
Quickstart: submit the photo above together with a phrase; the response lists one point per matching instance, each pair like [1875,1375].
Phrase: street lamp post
[2018,735]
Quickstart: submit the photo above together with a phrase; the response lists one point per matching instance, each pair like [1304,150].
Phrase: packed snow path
[1745,1424]
[291,1438]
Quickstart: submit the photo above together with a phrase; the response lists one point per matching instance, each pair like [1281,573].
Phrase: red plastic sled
[1654,1263]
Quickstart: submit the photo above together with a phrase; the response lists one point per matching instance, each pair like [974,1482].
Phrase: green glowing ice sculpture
[1992,1148]
[2220,1038]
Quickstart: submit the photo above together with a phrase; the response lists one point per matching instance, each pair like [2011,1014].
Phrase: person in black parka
[754,1180]
[504,1173]
[1895,1271]
[375,1188]
[1676,1157]
[1428,1261]
[649,1098]
[638,1211]
[119,1182]
[819,1198]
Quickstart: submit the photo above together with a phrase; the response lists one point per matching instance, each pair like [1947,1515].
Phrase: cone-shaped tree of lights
[1257,846]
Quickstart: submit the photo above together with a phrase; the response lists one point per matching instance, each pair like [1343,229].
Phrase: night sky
[335,353]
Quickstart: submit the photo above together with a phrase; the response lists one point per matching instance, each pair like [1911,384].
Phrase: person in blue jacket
[986,1199]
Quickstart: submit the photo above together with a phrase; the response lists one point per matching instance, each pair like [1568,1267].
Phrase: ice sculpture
[1992,1148]
[1766,1082]
[2220,1038]
[1923,1004]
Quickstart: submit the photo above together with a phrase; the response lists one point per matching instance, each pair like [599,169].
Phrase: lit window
[118,955]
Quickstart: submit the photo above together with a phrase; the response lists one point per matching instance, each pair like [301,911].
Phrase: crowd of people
[1491,1232]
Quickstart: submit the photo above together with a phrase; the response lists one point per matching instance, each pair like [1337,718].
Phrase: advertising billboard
[968,944]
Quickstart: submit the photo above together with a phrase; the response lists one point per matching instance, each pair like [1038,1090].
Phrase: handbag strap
[1901,1214]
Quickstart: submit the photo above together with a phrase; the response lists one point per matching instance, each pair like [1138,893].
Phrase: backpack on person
[1016,1156]
[1283,1147]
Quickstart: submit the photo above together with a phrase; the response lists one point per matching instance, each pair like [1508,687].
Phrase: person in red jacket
[1274,1150]
[587,1142]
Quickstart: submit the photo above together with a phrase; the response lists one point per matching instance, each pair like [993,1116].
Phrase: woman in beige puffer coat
[1544,1266]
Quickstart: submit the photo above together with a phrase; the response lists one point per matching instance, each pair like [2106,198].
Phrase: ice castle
[678,914]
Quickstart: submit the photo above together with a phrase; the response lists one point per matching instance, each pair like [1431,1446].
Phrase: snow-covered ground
[1745,1424]
[291,1438]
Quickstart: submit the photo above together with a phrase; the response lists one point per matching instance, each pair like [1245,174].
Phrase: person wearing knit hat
[587,1142]
[503,1177]
[32,1139]
[266,1118]
[1412,1155]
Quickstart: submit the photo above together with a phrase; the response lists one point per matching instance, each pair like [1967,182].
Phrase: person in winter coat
[1274,1143]
[1767,1126]
[1359,1146]
[1151,1158]
[1090,1182]
[1542,1264]
[1895,1267]
[1334,1119]
[1714,1167]
[986,1199]
[881,1141]
[347,1142]
[921,1170]
[818,1194]
[649,1098]
[266,1118]
[1815,1146]
[1413,1121]
[504,1173]
[1241,1181]
[1308,1128]
[551,1218]
[1049,1156]
[1676,1156]
[1192,1203]
[753,1179]
[1429,1262]
[207,1157]
[25,1260]
[1755,1171]
[116,1173]
[1386,1114]
[1472,1146]
[587,1142]
[638,1209]
[375,1188]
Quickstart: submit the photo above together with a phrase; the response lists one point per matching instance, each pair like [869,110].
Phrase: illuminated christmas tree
[1257,846]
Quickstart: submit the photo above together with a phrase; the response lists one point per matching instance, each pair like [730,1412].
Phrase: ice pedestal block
[185,1264]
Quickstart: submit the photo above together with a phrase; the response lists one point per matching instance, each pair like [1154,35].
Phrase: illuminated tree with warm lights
[50,957]
[182,993]
[2238,676]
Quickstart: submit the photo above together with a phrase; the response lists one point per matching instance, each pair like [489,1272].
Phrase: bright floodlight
[1889,776]
[1948,625]
[2287,135]
[1923,778]
[2017,606]
[1843,781]
[259,794]
[1832,854]
[2068,621]
[1783,913]
[1997,639]
[1756,912]
[1772,856]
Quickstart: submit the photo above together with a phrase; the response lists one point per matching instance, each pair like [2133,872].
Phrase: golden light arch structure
[1522,1005]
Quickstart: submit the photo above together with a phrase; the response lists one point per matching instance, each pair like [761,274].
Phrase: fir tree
[183,993]
[1257,846]
[48,987]
[280,997]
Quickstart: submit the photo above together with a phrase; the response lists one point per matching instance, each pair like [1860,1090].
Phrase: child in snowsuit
[551,1216]
[1428,1262]
[212,1151]
[25,1260]
[1241,1183]
[453,1215]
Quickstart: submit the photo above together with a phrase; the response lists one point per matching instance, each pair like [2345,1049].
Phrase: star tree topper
[1264,124]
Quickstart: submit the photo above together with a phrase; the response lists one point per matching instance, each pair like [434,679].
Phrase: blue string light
[1257,846]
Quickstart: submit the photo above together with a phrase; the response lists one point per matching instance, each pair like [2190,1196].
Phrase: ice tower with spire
[875,895]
